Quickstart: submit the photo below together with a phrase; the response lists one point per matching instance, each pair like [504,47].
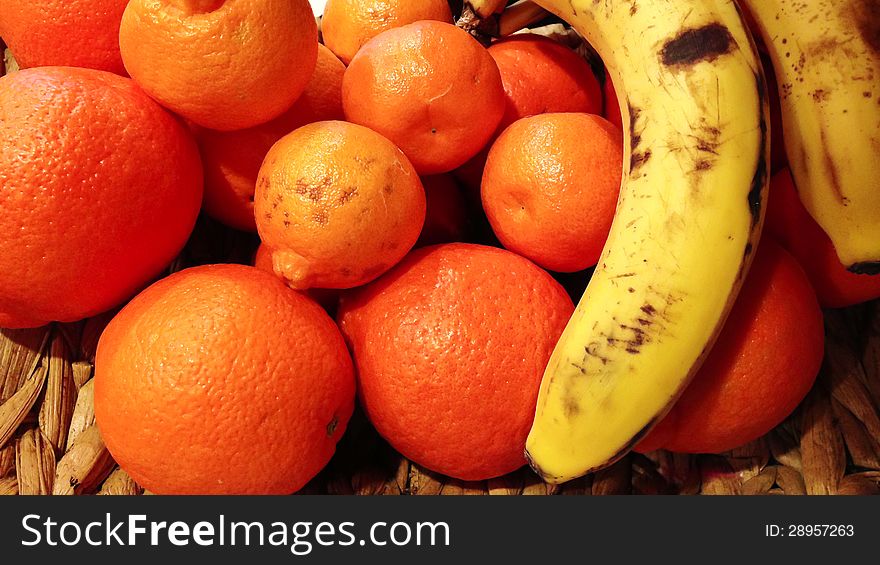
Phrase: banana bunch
[826,56]
[688,220]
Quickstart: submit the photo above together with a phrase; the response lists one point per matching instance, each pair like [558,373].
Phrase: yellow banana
[826,54]
[689,216]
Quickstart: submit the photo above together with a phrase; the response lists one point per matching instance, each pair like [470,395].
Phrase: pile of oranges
[417,195]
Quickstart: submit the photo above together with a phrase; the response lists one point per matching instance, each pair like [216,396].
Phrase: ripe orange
[338,204]
[761,368]
[348,24]
[221,380]
[222,64]
[431,89]
[541,76]
[41,33]
[790,223]
[232,159]
[450,347]
[446,215]
[90,210]
[550,188]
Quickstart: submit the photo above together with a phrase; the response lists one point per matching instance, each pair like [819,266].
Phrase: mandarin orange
[348,24]
[222,64]
[550,188]
[431,89]
[338,204]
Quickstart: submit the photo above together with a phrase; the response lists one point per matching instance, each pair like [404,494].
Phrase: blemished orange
[39,33]
[450,347]
[222,64]
[326,297]
[446,215]
[550,188]
[232,159]
[348,24]
[90,210]
[221,380]
[790,224]
[338,204]
[762,366]
[542,76]
[431,89]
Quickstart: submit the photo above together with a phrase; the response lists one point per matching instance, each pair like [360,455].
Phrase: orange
[90,210]
[232,159]
[348,24]
[450,347]
[446,215]
[74,33]
[761,368]
[221,380]
[430,88]
[222,64]
[790,223]
[542,76]
[550,188]
[338,204]
[327,298]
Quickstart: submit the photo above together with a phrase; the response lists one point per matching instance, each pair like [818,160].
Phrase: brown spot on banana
[865,15]
[639,159]
[572,407]
[635,134]
[695,45]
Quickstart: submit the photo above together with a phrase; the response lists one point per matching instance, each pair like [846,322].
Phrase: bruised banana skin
[826,55]
[689,217]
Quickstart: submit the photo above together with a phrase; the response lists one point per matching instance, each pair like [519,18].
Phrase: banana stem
[520,16]
[479,18]
[484,9]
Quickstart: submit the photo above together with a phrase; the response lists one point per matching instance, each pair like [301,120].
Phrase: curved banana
[826,54]
[689,216]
